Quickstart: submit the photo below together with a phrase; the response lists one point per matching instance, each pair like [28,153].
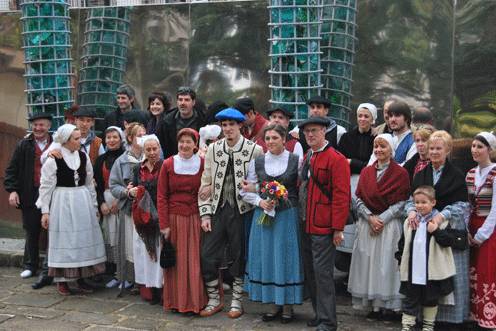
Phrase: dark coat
[19,175]
[358,147]
[115,118]
[410,165]
[167,130]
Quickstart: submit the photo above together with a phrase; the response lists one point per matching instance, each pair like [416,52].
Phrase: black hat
[244,105]
[402,108]
[135,116]
[319,100]
[38,116]
[85,112]
[286,112]
[324,121]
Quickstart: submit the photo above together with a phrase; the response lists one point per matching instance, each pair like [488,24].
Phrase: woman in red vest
[482,196]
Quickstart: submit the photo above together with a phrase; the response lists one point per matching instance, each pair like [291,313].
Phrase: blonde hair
[132,131]
[442,135]
[426,190]
[424,132]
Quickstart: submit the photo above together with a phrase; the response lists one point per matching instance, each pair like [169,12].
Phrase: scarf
[394,186]
[89,139]
[111,156]
[450,188]
[419,249]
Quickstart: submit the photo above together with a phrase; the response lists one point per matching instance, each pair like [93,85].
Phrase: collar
[428,217]
[401,136]
[322,148]
[236,147]
[438,170]
[382,167]
[155,166]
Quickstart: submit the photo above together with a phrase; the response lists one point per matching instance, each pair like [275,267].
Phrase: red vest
[37,162]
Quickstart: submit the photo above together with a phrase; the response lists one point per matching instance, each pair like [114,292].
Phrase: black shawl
[450,188]
[108,158]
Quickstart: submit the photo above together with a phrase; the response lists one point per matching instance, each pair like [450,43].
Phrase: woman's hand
[472,241]
[439,218]
[45,221]
[115,207]
[55,154]
[267,205]
[412,220]
[376,225]
[248,186]
[104,208]
[165,232]
[205,192]
[432,226]
[132,192]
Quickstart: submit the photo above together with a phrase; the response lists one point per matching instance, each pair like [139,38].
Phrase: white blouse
[487,229]
[189,166]
[275,165]
[48,181]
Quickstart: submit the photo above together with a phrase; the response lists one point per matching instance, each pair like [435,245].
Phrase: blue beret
[230,114]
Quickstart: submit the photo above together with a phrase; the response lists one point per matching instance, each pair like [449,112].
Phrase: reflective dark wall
[405,49]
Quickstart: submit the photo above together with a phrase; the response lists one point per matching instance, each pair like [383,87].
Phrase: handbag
[167,254]
[459,238]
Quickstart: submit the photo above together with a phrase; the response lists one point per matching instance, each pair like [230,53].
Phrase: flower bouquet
[271,191]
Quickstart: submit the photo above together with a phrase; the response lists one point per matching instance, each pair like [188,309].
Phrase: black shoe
[285,319]
[268,317]
[42,282]
[374,315]
[313,322]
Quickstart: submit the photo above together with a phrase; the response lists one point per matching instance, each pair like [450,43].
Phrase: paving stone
[32,312]
[24,323]
[4,317]
[33,300]
[142,310]
[85,304]
[143,323]
[90,318]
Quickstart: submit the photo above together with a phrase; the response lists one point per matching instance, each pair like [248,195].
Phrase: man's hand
[205,192]
[55,154]
[14,200]
[206,223]
[45,221]
[337,238]
[165,232]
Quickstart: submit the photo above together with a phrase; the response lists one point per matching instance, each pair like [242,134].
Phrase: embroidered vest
[37,163]
[480,200]
[403,147]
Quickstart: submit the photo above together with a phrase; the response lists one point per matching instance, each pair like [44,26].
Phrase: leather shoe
[234,313]
[209,311]
[42,282]
[268,317]
[313,322]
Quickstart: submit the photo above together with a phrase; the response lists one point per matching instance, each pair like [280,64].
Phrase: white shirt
[487,229]
[189,166]
[48,181]
[42,143]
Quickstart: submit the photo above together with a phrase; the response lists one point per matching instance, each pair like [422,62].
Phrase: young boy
[427,266]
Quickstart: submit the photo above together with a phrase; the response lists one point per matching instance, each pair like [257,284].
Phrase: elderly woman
[481,184]
[274,273]
[158,106]
[146,247]
[451,201]
[120,181]
[107,204]
[420,160]
[69,211]
[382,191]
[177,200]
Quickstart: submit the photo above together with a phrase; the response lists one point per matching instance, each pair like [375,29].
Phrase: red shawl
[394,186]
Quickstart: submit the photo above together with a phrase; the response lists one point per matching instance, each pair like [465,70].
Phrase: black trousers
[416,299]
[228,232]
[310,289]
[31,222]
[324,255]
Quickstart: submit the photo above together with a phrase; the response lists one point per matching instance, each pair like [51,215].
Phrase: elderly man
[22,181]
[326,176]
[226,166]
[186,115]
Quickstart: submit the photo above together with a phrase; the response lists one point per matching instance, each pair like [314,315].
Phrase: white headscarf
[490,138]
[371,108]
[121,133]
[389,139]
[144,139]
[63,133]
[209,132]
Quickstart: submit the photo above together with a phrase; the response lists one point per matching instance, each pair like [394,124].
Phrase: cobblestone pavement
[22,308]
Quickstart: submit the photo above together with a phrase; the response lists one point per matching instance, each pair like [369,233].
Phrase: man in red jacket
[328,198]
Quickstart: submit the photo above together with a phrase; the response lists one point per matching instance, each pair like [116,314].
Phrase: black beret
[135,116]
[317,99]
[324,121]
[244,105]
[286,112]
[38,116]
[85,112]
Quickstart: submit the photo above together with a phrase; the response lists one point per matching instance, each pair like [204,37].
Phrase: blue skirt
[274,271]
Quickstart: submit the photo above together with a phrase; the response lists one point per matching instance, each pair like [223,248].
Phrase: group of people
[196,177]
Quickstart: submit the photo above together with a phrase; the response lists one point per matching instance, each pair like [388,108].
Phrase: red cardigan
[176,194]
[333,171]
